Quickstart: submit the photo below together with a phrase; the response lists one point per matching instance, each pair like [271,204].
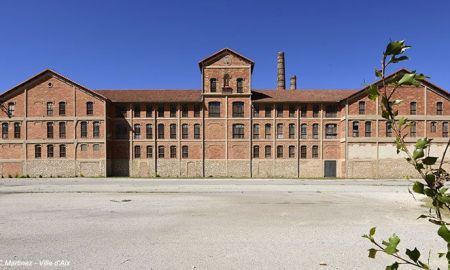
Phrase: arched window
[137,151]
[161,132]
[291,131]
[291,151]
[303,131]
[238,109]
[268,131]
[5,128]
[49,108]
[62,130]
[303,151]
[226,80]
[137,131]
[315,131]
[280,134]
[439,108]
[197,131]
[173,131]
[16,130]
[62,108]
[11,109]
[238,131]
[160,151]
[213,85]
[240,85]
[362,107]
[267,151]
[184,131]
[412,130]
[184,151]
[413,108]
[173,151]
[256,151]
[89,108]
[279,151]
[255,131]
[149,131]
[315,151]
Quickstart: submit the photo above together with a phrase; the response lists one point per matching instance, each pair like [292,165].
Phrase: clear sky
[157,44]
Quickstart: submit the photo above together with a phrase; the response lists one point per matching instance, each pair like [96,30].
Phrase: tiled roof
[301,95]
[158,96]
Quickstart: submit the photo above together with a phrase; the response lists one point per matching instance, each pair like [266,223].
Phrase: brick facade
[52,126]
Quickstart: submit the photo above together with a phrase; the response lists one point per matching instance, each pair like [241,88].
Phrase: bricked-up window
[148,110]
[268,111]
[196,131]
[315,151]
[121,111]
[184,151]
[184,110]
[238,109]
[268,131]
[84,131]
[255,110]
[62,150]
[149,151]
[184,131]
[173,111]
[62,108]
[331,111]
[50,151]
[303,110]
[255,131]
[84,147]
[303,151]
[137,131]
[173,131]
[445,129]
[267,151]
[238,131]
[49,108]
[160,151]
[303,131]
[316,109]
[439,108]
[89,108]
[388,129]
[96,147]
[355,129]
[173,151]
[315,131]
[160,131]
[197,109]
[214,109]
[413,130]
[62,130]
[331,131]
[279,110]
[49,130]
[362,107]
[149,131]
[280,134]
[161,111]
[433,127]
[137,110]
[256,151]
[292,111]
[291,151]
[16,130]
[279,151]
[11,109]
[226,80]
[213,85]
[240,85]
[413,108]
[96,129]
[37,151]
[137,151]
[368,129]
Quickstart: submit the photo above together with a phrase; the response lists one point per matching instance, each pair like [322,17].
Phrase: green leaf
[378,73]
[372,92]
[418,153]
[391,246]
[372,231]
[418,187]
[429,192]
[430,178]
[385,115]
[372,253]
[396,47]
[393,266]
[422,142]
[429,160]
[444,233]
[413,254]
[399,59]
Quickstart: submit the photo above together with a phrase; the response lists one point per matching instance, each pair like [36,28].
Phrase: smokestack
[293,82]
[281,85]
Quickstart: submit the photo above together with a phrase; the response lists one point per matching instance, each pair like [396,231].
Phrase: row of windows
[280,133]
[291,151]
[121,131]
[412,108]
[161,151]
[62,150]
[50,130]
[61,108]
[412,129]
[121,111]
[226,84]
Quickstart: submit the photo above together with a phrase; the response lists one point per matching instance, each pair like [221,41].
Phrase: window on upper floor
[279,151]
[316,109]
[315,151]
[137,131]
[49,108]
[439,108]
[214,109]
[268,111]
[280,134]
[413,108]
[184,131]
[255,110]
[37,151]
[331,111]
[267,131]
[83,126]
[11,109]
[160,131]
[184,110]
[255,131]
[149,151]
[445,129]
[362,107]
[148,110]
[213,85]
[160,151]
[226,80]
[433,127]
[160,110]
[303,131]
[197,110]
[62,130]
[5,128]
[238,109]
[121,111]
[355,129]
[330,131]
[96,129]
[388,129]
[196,131]
[238,131]
[16,130]
[149,131]
[256,151]
[49,130]
[62,108]
[240,85]
[137,151]
[279,108]
[315,130]
[303,110]
[173,110]
[137,110]
[368,129]
[292,110]
[184,151]
[173,131]
[291,131]
[412,129]
[303,152]
[89,108]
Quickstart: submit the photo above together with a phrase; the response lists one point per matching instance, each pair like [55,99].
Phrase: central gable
[226,57]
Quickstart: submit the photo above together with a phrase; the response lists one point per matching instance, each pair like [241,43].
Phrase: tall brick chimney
[293,82]
[281,80]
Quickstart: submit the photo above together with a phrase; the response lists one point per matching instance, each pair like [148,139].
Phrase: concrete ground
[120,223]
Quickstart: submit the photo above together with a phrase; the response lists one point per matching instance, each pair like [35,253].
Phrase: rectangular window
[96,147]
[413,108]
[433,127]
[149,151]
[316,109]
[268,111]
[315,131]
[160,131]
[96,130]
[149,131]
[137,110]
[303,110]
[303,131]
[84,147]
[173,111]
[368,129]
[62,151]
[303,152]
[49,108]
[268,131]
[291,151]
[137,151]
[50,130]
[37,151]
[62,130]
[214,109]
[148,110]
[315,151]
[137,131]
[238,131]
[16,130]
[83,127]
[445,129]
[280,134]
[5,129]
[213,85]
[331,111]
[184,151]
[173,131]
[11,109]
[267,151]
[439,108]
[238,109]
[279,110]
[161,111]
[184,110]
[256,151]
[279,151]
[50,151]
[160,151]
[197,131]
[412,130]
[331,131]
[89,108]
[355,129]
[240,85]
[388,129]
[255,131]
[62,108]
[292,111]
[255,110]
[173,151]
[184,131]
[362,107]
[197,109]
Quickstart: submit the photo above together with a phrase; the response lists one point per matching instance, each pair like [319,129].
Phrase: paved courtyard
[205,224]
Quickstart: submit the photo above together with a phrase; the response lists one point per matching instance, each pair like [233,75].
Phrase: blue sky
[157,44]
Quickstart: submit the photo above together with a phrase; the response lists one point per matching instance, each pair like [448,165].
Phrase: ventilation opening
[50,85]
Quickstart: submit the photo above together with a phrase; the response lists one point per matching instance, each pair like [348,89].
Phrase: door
[330,168]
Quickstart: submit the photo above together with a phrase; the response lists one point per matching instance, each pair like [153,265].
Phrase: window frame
[238,131]
[89,108]
[214,109]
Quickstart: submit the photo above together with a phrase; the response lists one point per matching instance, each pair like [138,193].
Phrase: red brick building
[53,126]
